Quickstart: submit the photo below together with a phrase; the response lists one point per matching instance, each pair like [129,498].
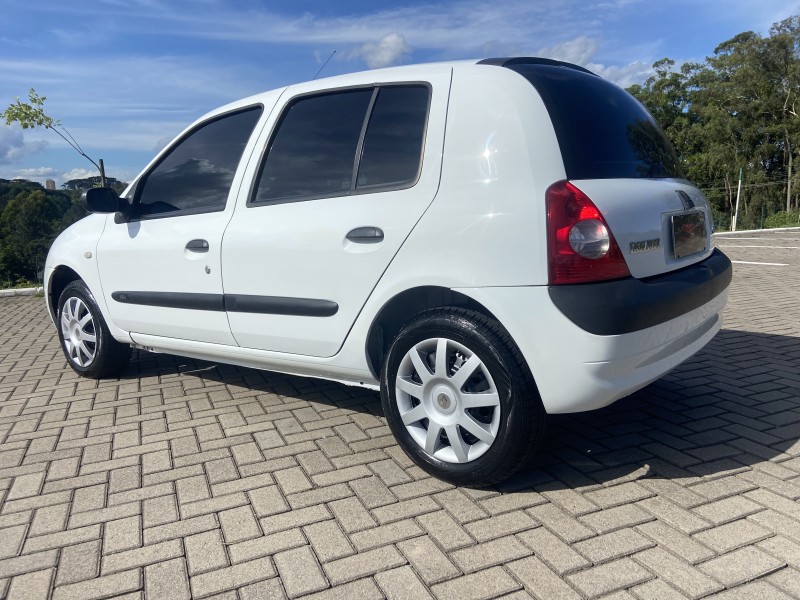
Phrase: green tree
[31,115]
[28,226]
[736,110]
[81,185]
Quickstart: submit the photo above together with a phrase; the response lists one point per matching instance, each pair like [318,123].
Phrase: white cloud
[41,174]
[36,173]
[454,27]
[578,51]
[14,147]
[582,50]
[79,173]
[626,76]
[389,50]
[162,143]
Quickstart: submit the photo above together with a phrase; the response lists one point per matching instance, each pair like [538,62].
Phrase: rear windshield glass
[603,131]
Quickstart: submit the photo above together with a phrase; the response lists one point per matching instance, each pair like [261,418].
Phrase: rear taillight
[581,247]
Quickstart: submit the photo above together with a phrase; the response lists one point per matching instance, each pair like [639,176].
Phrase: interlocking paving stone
[559,556]
[430,562]
[205,551]
[656,589]
[609,546]
[230,578]
[385,534]
[560,523]
[239,524]
[756,589]
[300,572]
[499,526]
[178,529]
[787,580]
[607,578]
[784,549]
[447,533]
[139,557]
[78,563]
[266,545]
[677,573]
[185,477]
[741,566]
[403,584]
[484,584]
[540,581]
[328,540]
[360,565]
[489,554]
[31,586]
[167,580]
[101,587]
[676,542]
[363,589]
[733,535]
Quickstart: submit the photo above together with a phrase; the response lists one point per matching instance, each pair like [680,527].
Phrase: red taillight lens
[581,246]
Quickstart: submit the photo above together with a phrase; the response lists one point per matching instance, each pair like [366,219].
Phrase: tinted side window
[603,132]
[314,149]
[197,173]
[393,142]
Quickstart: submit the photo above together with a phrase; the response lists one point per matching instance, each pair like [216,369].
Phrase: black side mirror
[103,200]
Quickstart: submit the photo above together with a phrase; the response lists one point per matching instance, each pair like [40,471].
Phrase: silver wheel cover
[447,400]
[79,332]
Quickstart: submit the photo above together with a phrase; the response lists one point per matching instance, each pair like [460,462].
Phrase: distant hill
[81,185]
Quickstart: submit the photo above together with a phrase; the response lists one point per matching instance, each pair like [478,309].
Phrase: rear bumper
[576,370]
[627,305]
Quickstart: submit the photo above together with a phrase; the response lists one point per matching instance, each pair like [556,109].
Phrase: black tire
[520,426]
[97,358]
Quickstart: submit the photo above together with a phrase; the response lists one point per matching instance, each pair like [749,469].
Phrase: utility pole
[738,195]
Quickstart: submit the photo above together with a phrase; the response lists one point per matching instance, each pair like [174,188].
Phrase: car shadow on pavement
[733,407]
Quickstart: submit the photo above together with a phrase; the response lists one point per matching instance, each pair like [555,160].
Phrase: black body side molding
[268,305]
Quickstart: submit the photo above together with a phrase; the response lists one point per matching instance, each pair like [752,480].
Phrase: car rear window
[603,132]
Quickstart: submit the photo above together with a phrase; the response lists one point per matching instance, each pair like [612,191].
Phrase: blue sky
[125,76]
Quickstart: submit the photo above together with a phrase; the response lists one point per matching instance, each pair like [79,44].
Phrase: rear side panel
[486,226]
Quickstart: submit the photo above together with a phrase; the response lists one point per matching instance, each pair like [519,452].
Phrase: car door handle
[197,246]
[366,235]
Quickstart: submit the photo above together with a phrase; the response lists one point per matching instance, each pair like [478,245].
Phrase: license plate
[688,233]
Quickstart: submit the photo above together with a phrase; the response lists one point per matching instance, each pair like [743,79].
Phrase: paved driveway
[187,478]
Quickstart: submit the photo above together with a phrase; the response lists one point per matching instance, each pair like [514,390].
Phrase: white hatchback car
[486,242]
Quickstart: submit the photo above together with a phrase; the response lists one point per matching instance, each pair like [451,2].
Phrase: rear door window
[345,142]
[603,132]
[393,141]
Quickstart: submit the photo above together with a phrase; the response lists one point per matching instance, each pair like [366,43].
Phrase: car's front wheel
[88,346]
[460,399]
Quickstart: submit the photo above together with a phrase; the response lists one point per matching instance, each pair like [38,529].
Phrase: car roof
[413,70]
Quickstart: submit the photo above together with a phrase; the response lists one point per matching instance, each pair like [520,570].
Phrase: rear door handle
[366,235]
[197,246]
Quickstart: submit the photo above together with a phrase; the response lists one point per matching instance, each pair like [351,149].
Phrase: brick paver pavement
[185,478]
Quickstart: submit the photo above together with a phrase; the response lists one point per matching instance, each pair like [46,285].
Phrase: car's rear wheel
[88,346]
[460,399]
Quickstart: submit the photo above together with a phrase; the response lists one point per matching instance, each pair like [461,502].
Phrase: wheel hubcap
[448,401]
[78,331]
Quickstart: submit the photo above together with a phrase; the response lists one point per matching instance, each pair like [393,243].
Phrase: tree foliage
[30,219]
[31,114]
[737,110]
[81,185]
[28,225]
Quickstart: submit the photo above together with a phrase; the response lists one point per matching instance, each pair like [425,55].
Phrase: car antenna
[323,66]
